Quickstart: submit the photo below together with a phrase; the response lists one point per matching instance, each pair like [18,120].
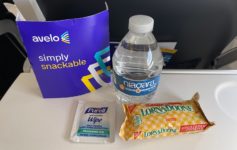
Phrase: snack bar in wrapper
[145,121]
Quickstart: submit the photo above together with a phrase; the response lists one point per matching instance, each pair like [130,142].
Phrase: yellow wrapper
[145,121]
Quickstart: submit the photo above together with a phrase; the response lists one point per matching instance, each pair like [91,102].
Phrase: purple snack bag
[69,57]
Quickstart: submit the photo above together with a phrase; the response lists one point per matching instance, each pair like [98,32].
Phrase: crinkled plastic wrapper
[145,121]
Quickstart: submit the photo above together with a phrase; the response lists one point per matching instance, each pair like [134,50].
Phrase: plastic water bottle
[137,62]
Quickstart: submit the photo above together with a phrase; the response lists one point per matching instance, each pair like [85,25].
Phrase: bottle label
[136,87]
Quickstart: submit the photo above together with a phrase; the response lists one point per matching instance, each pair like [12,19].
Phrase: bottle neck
[140,38]
[139,34]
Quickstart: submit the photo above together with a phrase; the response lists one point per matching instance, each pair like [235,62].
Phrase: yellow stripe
[86,80]
[167,50]
[65,41]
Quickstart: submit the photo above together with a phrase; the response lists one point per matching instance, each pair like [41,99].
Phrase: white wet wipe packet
[94,122]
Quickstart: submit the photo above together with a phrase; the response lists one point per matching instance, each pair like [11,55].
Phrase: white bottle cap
[141,24]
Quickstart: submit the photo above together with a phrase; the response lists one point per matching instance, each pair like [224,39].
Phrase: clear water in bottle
[137,62]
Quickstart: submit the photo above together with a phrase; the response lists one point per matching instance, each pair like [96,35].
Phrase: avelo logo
[65,37]
[52,38]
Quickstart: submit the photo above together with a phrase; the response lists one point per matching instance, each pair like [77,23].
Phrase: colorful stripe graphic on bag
[96,74]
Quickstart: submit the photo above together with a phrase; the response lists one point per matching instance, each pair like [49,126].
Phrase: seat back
[13,53]
[202,28]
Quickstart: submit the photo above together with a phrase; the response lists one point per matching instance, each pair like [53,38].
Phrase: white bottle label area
[136,87]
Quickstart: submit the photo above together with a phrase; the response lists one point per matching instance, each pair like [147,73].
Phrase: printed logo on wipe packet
[64,37]
[96,110]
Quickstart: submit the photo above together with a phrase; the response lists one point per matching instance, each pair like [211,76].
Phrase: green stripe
[93,131]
